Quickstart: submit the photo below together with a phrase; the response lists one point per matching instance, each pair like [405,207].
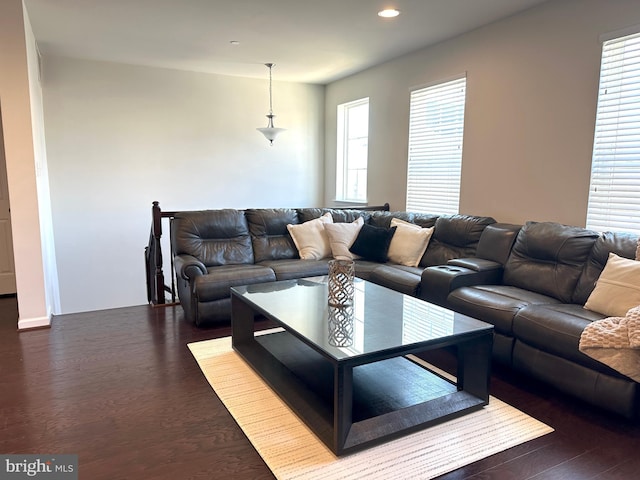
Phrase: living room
[89,144]
[120,136]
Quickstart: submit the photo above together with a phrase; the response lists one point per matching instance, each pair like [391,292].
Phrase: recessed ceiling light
[389,13]
[234,42]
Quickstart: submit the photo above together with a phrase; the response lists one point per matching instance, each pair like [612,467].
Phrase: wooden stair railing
[157,289]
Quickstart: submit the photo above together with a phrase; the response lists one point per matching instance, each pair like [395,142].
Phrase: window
[353,146]
[614,195]
[436,123]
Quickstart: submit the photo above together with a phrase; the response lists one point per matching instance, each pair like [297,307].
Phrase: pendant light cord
[270,90]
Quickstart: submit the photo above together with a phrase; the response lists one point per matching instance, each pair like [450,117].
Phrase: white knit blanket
[615,341]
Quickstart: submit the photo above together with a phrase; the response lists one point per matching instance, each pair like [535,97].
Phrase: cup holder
[448,268]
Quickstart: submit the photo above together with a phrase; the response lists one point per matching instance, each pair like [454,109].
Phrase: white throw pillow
[617,289]
[408,243]
[341,237]
[310,238]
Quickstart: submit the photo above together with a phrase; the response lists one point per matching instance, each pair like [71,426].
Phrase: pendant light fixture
[270,132]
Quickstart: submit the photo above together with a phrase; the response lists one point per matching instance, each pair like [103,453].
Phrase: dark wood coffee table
[359,389]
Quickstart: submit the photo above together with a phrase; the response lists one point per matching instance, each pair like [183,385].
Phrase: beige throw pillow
[341,237]
[617,289]
[311,239]
[638,250]
[408,243]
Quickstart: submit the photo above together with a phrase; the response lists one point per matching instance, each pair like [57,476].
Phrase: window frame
[344,165]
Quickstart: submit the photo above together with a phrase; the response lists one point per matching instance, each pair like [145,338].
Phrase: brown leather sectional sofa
[536,304]
[531,282]
[217,249]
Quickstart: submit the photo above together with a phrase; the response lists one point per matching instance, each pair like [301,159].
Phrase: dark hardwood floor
[120,389]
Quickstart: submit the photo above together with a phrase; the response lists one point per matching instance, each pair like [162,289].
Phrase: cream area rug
[292,451]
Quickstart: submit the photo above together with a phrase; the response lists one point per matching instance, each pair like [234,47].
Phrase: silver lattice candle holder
[341,273]
[341,326]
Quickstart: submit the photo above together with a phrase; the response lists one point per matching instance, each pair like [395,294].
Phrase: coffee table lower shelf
[351,408]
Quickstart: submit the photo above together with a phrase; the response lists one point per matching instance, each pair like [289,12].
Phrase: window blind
[420,319]
[436,124]
[614,194]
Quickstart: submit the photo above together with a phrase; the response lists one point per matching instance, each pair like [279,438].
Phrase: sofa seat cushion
[215,285]
[556,329]
[364,268]
[400,278]
[290,269]
[495,304]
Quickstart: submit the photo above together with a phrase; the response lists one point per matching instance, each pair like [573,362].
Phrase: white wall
[120,137]
[532,84]
[52,293]
[21,157]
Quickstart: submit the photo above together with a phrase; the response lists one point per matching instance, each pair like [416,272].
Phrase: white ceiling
[311,41]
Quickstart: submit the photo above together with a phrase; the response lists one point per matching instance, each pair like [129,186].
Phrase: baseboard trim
[31,323]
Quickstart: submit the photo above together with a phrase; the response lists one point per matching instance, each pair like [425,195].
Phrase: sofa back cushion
[215,237]
[383,219]
[424,220]
[269,235]
[548,258]
[622,244]
[337,214]
[496,242]
[455,236]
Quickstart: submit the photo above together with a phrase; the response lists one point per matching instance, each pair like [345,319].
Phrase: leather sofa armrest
[475,264]
[188,267]
[439,281]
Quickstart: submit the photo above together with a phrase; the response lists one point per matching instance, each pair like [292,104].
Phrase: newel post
[156,253]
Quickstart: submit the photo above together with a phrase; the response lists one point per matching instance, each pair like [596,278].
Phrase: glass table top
[379,318]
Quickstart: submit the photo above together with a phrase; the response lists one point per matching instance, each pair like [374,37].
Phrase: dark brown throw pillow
[372,243]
